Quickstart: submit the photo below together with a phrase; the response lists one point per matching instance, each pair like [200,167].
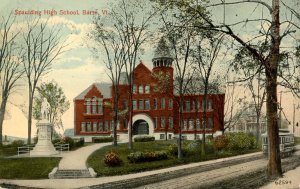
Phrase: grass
[297,140]
[27,168]
[24,168]
[96,159]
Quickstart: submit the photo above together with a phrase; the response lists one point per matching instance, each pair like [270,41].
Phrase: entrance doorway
[140,127]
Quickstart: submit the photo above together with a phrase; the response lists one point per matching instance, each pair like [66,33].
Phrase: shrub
[56,141]
[102,139]
[173,150]
[144,138]
[112,159]
[17,143]
[137,157]
[78,142]
[240,141]
[221,142]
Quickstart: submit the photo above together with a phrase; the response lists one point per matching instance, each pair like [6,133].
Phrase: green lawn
[27,168]
[24,168]
[96,159]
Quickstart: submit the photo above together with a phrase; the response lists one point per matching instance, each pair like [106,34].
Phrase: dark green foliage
[102,139]
[18,143]
[190,148]
[137,157]
[65,140]
[173,150]
[112,159]
[240,141]
[78,142]
[144,139]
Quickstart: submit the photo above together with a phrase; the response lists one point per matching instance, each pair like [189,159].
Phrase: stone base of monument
[44,146]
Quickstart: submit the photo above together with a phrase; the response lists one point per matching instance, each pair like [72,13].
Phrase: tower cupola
[162,56]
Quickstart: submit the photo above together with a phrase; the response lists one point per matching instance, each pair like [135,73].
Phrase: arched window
[141,89]
[88,106]
[94,105]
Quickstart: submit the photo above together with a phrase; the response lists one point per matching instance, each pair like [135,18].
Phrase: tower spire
[162,55]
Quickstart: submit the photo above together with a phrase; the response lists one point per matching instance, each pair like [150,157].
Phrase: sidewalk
[291,180]
[85,182]
[77,159]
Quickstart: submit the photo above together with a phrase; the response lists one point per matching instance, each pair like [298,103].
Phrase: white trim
[146,118]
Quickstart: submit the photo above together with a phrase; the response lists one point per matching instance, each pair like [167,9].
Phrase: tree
[205,55]
[42,46]
[180,43]
[57,101]
[10,64]
[130,20]
[107,38]
[268,61]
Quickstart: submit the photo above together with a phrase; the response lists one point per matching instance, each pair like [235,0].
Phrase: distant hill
[8,139]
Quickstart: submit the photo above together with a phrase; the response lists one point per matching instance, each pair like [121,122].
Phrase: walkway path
[77,159]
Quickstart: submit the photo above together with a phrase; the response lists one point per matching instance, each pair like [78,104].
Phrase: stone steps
[71,173]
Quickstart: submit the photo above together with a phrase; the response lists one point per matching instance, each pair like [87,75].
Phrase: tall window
[198,105]
[185,124]
[141,89]
[170,104]
[155,103]
[125,123]
[134,90]
[125,104]
[112,125]
[94,105]
[187,106]
[191,124]
[210,123]
[162,103]
[203,124]
[170,122]
[100,106]
[141,104]
[82,126]
[155,122]
[88,106]
[94,126]
[147,104]
[134,105]
[147,89]
[106,126]
[89,127]
[193,105]
[209,105]
[118,125]
[162,122]
[198,124]
[100,126]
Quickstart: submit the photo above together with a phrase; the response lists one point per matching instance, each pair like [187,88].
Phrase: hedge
[102,139]
[144,138]
[137,157]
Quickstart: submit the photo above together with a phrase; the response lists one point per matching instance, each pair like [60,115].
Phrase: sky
[77,68]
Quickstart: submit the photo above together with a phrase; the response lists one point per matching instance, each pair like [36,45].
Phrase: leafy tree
[269,31]
[57,101]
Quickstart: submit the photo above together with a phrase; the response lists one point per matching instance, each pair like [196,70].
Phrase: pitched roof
[103,88]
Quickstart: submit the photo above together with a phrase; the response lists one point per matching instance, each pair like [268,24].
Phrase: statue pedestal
[44,146]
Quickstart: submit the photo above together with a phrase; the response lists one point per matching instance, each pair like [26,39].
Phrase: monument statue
[44,147]
[45,109]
